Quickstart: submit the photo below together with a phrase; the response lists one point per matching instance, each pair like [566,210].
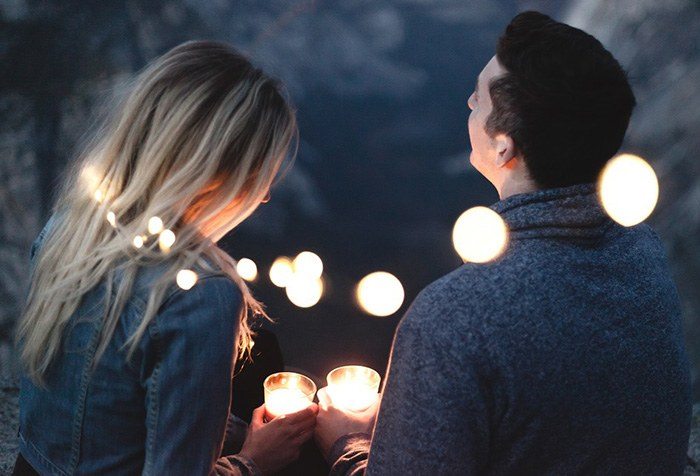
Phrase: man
[565,355]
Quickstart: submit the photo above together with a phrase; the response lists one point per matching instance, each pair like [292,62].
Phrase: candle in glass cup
[287,392]
[353,387]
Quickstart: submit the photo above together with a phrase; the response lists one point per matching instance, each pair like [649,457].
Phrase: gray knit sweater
[565,356]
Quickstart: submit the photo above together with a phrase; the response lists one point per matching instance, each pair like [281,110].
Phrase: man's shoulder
[463,300]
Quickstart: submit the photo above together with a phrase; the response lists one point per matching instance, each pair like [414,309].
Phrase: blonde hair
[197,143]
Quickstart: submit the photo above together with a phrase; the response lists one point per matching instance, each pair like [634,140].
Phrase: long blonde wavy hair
[197,142]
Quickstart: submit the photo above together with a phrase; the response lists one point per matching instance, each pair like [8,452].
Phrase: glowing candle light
[281,271]
[353,387]
[247,269]
[137,241]
[308,264]
[304,292]
[628,189]
[155,225]
[287,392]
[186,278]
[166,239]
[480,235]
[112,219]
[380,294]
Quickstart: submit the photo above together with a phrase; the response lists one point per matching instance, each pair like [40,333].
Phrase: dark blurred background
[382,173]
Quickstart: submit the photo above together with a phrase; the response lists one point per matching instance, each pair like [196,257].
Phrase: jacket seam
[39,454]
[154,403]
[79,416]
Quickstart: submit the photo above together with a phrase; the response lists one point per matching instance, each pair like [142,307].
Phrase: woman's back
[127,416]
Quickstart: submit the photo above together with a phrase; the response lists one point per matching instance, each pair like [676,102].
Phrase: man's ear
[505,150]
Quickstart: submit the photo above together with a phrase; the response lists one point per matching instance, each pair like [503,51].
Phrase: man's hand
[275,444]
[333,422]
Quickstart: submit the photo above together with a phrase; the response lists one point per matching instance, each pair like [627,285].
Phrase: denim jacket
[164,411]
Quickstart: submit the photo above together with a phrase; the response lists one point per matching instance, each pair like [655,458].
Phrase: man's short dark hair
[564,100]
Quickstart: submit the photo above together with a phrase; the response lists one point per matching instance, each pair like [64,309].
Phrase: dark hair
[564,100]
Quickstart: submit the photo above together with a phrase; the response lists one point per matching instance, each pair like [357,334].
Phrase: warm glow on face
[155,225]
[281,271]
[303,292]
[166,240]
[247,269]
[628,189]
[380,294]
[308,264]
[186,278]
[480,235]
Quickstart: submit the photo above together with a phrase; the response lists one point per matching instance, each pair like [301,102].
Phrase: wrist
[249,462]
[346,443]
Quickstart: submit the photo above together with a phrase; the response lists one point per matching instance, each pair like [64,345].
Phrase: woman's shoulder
[194,284]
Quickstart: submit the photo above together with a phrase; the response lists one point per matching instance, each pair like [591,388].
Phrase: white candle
[285,400]
[287,392]
[353,387]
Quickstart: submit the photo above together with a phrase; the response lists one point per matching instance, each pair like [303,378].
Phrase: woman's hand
[275,444]
[333,422]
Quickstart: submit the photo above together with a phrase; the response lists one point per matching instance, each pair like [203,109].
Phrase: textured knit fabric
[565,356]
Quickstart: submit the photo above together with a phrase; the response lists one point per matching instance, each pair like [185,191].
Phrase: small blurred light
[186,278]
[112,219]
[281,271]
[628,189]
[380,294]
[99,195]
[304,292]
[247,269]
[155,225]
[138,241]
[308,264]
[166,240]
[479,235]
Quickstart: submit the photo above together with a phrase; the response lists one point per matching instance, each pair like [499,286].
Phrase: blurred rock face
[381,89]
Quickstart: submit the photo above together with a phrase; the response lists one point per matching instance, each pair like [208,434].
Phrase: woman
[135,317]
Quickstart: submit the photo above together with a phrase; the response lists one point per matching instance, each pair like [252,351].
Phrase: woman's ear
[505,150]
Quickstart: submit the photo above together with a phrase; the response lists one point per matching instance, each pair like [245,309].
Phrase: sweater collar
[569,212]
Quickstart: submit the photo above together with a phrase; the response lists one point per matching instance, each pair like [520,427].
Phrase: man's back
[566,356]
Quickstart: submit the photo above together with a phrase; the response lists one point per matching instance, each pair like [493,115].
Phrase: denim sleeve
[187,379]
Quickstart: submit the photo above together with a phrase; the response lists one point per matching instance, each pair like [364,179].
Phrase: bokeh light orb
[247,269]
[380,294]
[137,241]
[480,235]
[281,271]
[186,278]
[155,225]
[166,240]
[628,189]
[112,219]
[308,264]
[304,292]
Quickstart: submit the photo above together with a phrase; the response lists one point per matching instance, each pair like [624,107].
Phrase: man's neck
[514,186]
